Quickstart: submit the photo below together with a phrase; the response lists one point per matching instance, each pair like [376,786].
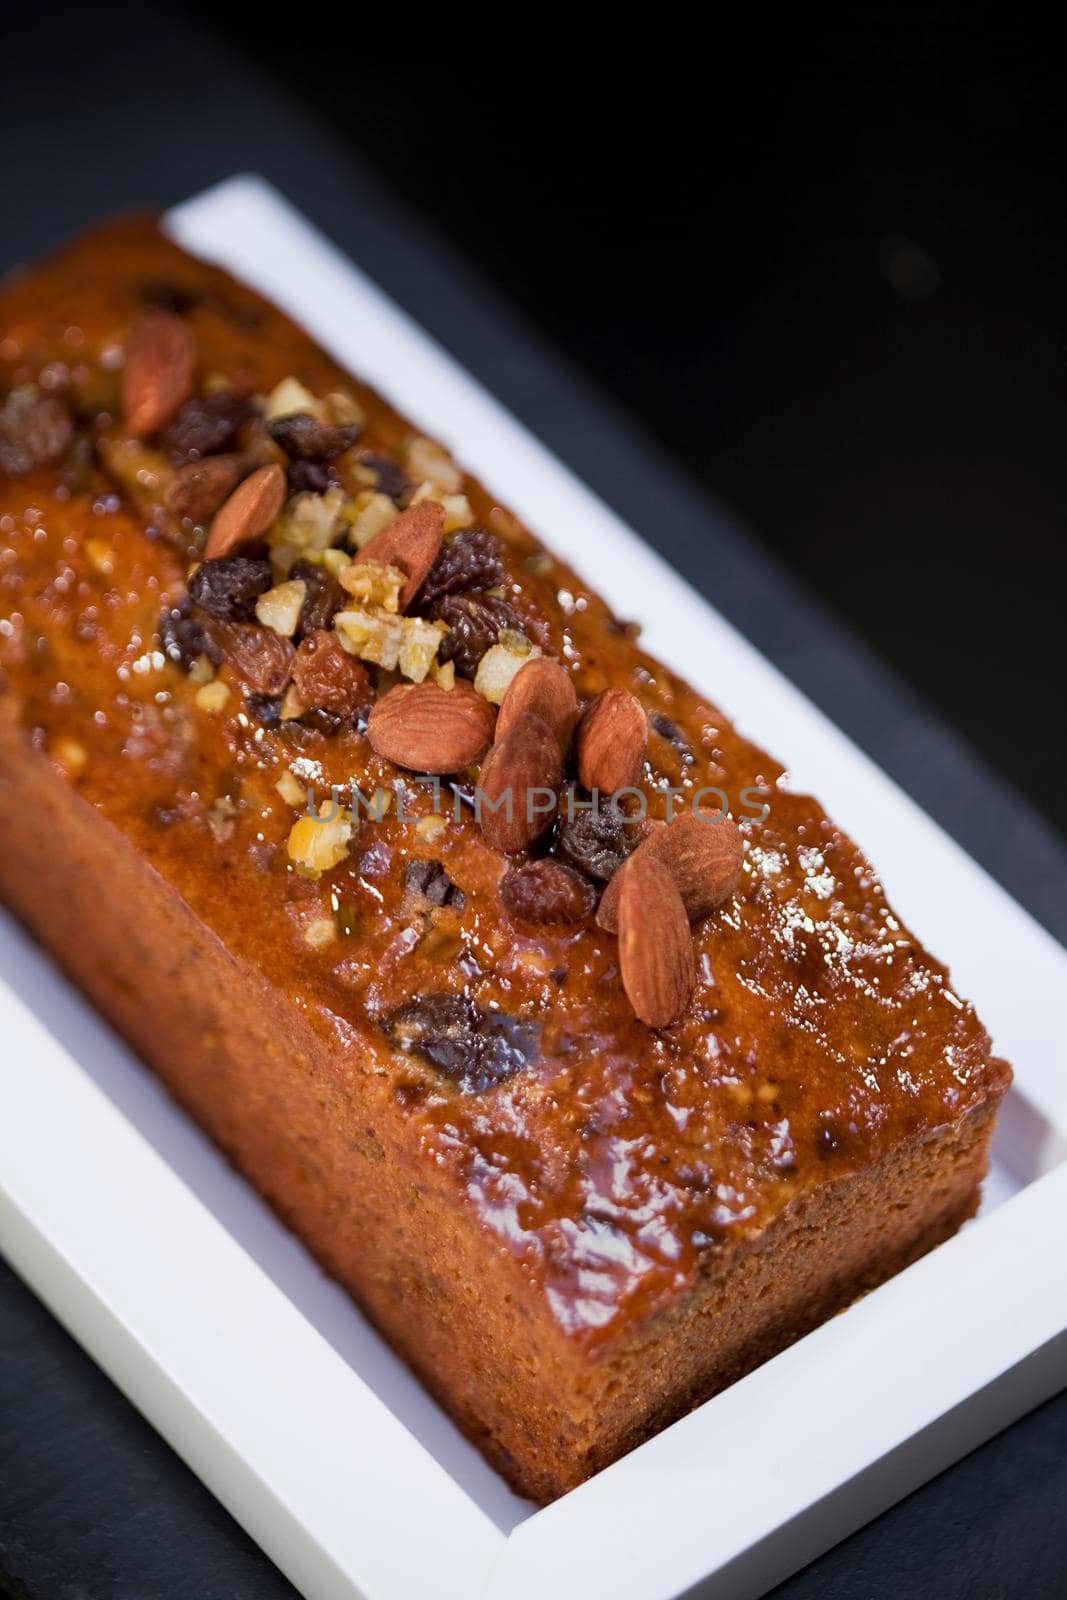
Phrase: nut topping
[426,728]
[547,689]
[411,542]
[158,375]
[200,488]
[702,855]
[248,512]
[611,741]
[516,799]
[655,944]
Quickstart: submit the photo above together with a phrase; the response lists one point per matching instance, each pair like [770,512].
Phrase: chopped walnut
[500,664]
[427,460]
[289,397]
[368,514]
[409,644]
[212,696]
[280,608]
[310,521]
[290,789]
[373,584]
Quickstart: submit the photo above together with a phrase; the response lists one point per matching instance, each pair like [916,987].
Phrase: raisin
[475,1049]
[391,479]
[163,294]
[305,438]
[205,425]
[265,708]
[668,729]
[548,892]
[319,721]
[229,587]
[308,477]
[261,658]
[475,620]
[471,560]
[200,487]
[34,430]
[328,678]
[324,597]
[184,639]
[428,880]
[593,841]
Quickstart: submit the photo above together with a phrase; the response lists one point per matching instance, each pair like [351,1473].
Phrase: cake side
[317,1135]
[424,970]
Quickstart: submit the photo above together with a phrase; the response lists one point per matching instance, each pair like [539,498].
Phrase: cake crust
[605,1222]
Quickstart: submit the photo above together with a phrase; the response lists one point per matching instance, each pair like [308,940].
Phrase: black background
[826,277]
[830,280]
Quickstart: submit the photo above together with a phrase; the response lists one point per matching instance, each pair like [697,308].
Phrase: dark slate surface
[93,1506]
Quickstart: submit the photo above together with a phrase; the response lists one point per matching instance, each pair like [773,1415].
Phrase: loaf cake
[584,1052]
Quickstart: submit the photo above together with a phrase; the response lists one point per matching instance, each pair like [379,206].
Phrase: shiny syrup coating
[621,1162]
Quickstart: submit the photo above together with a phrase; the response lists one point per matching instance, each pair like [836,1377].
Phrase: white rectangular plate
[263,1375]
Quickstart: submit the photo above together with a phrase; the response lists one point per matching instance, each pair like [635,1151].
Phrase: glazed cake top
[618,1160]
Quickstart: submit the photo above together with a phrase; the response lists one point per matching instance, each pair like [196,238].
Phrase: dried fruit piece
[229,587]
[35,429]
[703,855]
[516,796]
[205,424]
[317,844]
[381,473]
[474,1048]
[655,944]
[411,542]
[611,741]
[199,489]
[323,599]
[547,892]
[427,882]
[263,660]
[546,688]
[426,728]
[327,678]
[248,512]
[309,477]
[307,438]
[471,560]
[594,841]
[475,622]
[158,375]
[184,639]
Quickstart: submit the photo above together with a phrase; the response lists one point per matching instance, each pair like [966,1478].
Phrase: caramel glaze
[622,1162]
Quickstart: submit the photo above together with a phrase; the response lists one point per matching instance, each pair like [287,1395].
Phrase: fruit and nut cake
[584,1051]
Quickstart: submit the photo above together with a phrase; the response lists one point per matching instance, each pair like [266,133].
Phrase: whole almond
[518,777]
[702,854]
[611,741]
[158,375]
[200,487]
[411,542]
[425,728]
[247,513]
[547,689]
[655,944]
